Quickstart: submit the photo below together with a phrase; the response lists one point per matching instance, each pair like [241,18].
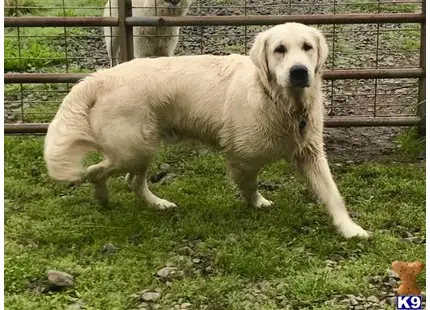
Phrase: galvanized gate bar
[421,110]
[340,121]
[274,20]
[10,78]
[215,20]
[60,21]
[125,31]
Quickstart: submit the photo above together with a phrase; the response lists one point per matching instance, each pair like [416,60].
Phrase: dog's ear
[258,54]
[322,49]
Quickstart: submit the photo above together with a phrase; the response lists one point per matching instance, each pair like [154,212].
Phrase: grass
[54,226]
[411,143]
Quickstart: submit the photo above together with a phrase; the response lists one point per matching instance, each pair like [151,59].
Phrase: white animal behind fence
[147,41]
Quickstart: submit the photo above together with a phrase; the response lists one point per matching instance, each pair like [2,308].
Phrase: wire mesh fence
[365,46]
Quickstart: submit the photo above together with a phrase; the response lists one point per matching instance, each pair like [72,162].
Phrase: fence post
[421,110]
[125,10]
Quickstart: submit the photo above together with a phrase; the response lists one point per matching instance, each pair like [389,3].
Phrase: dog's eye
[280,49]
[307,47]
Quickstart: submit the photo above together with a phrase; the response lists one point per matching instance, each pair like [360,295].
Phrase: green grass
[366,6]
[54,226]
[411,143]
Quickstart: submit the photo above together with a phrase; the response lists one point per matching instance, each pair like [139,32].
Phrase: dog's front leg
[314,167]
[245,177]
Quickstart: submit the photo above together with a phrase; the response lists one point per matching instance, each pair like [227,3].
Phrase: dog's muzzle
[299,76]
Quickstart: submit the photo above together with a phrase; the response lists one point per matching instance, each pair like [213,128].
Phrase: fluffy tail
[70,136]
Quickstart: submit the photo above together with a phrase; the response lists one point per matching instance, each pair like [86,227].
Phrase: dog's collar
[303,118]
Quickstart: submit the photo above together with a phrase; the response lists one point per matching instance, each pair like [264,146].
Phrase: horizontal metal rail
[60,21]
[10,78]
[41,128]
[258,20]
[214,20]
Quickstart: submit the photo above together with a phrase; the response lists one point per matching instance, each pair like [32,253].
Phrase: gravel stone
[150,296]
[60,279]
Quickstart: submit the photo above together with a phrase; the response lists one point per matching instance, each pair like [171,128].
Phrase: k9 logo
[408,302]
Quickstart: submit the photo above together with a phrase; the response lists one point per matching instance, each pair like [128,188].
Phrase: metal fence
[375,73]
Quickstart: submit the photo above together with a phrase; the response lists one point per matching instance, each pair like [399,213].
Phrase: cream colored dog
[147,41]
[256,109]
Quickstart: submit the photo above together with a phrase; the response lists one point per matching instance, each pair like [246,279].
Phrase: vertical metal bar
[65,45]
[114,54]
[125,32]
[333,53]
[246,31]
[201,29]
[421,110]
[376,61]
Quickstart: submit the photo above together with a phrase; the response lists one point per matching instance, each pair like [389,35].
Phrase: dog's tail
[70,136]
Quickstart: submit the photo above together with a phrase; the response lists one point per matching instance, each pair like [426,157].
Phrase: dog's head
[291,54]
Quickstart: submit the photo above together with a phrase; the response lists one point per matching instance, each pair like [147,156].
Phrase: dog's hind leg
[98,175]
[314,167]
[139,184]
[245,177]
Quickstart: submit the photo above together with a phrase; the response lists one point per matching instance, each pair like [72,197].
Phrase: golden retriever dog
[256,110]
[147,41]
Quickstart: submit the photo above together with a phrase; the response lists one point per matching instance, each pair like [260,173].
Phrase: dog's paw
[163,204]
[262,202]
[351,230]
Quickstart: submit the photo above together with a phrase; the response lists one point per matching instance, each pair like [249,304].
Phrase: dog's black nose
[299,76]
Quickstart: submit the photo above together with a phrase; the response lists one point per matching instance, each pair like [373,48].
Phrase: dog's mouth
[300,85]
[173,3]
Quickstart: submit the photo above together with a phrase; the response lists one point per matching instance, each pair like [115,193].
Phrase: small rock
[415,240]
[168,178]
[392,274]
[165,167]
[170,264]
[391,301]
[74,307]
[329,262]
[373,299]
[185,250]
[150,296]
[202,152]
[354,301]
[196,260]
[299,250]
[158,176]
[270,186]
[345,301]
[185,305]
[166,272]
[391,282]
[60,279]
[143,305]
[337,258]
[109,248]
